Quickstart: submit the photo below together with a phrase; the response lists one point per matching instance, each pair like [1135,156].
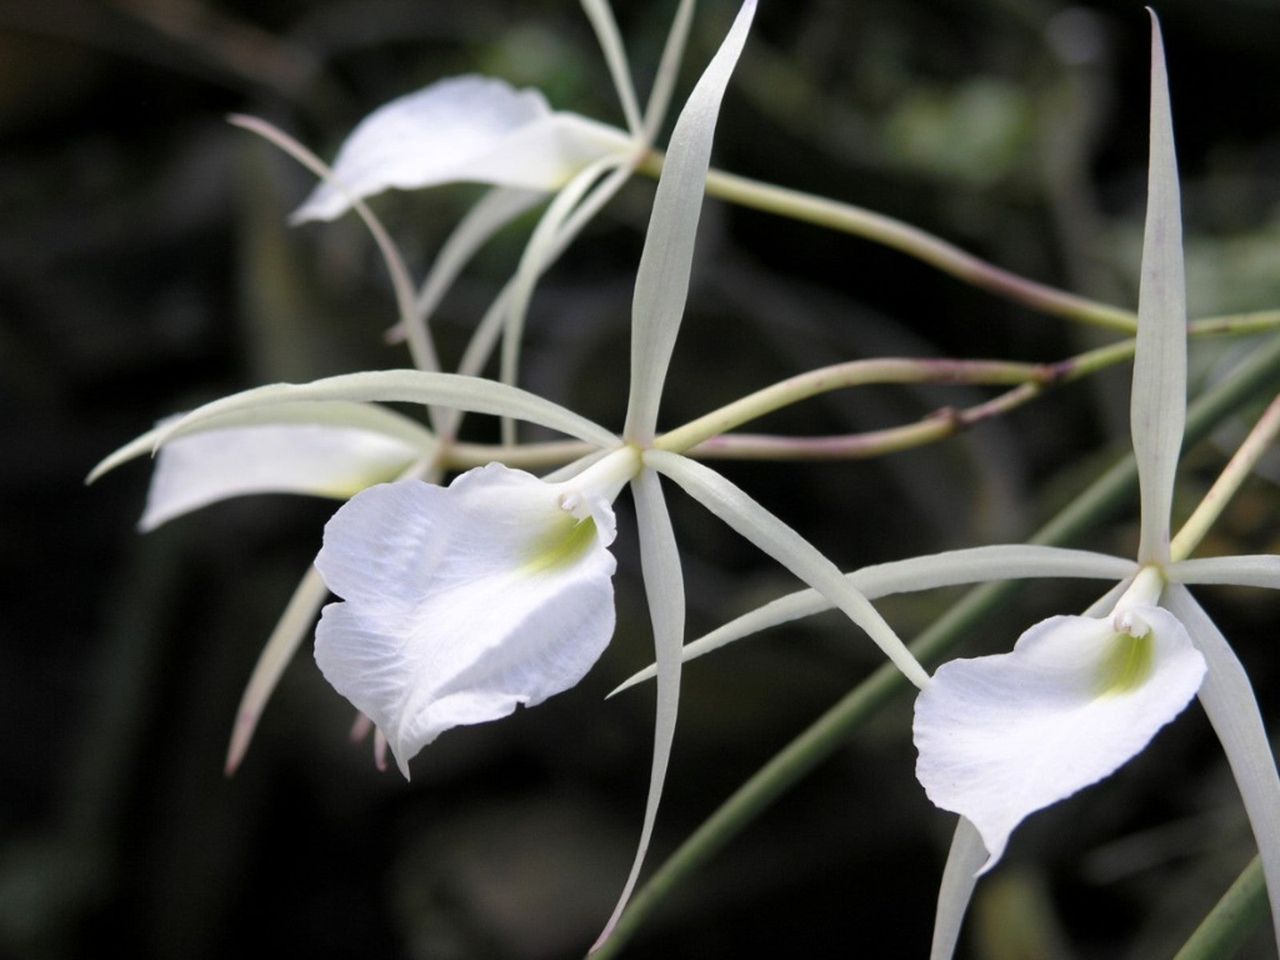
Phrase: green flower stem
[852,374]
[827,734]
[910,240]
[1259,321]
[1238,468]
[1224,931]
[934,427]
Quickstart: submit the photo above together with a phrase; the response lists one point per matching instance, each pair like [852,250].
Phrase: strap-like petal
[1002,736]
[664,81]
[662,280]
[1259,570]
[793,551]
[1158,401]
[955,567]
[1228,699]
[664,588]
[959,877]
[473,394]
[326,461]
[461,602]
[494,211]
[534,260]
[470,128]
[615,57]
[358,416]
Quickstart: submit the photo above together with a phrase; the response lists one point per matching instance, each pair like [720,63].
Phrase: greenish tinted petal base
[561,547]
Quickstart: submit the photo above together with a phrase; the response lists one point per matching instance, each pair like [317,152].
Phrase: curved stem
[852,374]
[938,425]
[910,240]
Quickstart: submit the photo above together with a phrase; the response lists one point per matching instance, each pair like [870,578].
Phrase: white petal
[664,588]
[1227,697]
[1157,406]
[959,877]
[662,280]
[360,416]
[973,565]
[470,128]
[407,386]
[1002,736]
[325,461]
[1262,570]
[545,155]
[797,554]
[461,602]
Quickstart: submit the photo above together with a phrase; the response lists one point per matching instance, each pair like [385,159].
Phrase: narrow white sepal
[664,81]
[793,551]
[326,461]
[534,260]
[1259,570]
[1157,405]
[959,877]
[470,128]
[402,386]
[1228,699]
[1000,737]
[293,627]
[482,341]
[664,588]
[662,280]
[495,210]
[359,416]
[615,56]
[462,602]
[955,567]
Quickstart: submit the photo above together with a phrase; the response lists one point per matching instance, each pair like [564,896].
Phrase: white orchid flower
[464,601]
[466,128]
[1000,737]
[459,604]
[478,129]
[470,129]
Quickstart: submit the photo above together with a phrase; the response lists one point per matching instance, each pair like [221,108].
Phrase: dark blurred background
[145,267]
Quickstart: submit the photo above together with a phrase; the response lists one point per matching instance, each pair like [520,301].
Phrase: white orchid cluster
[460,602]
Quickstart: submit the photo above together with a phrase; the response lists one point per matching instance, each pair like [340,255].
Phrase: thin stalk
[938,425]
[842,375]
[914,242]
[1102,499]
